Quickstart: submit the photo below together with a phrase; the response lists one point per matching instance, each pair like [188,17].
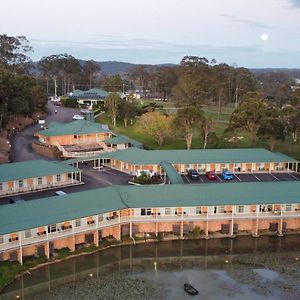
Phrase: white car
[140,172]
[78,117]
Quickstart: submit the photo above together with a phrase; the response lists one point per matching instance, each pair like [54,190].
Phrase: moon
[264,37]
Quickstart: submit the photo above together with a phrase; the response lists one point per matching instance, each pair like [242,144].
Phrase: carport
[98,160]
[171,172]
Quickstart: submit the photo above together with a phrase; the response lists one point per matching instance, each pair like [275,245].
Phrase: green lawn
[287,147]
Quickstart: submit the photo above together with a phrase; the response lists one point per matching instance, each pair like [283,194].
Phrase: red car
[211,175]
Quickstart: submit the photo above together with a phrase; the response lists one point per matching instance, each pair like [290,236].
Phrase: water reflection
[150,256]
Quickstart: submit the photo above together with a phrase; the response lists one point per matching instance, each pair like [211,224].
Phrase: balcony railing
[14,243]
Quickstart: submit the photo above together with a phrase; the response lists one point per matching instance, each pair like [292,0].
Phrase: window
[241,209]
[145,211]
[215,209]
[288,207]
[220,209]
[100,218]
[167,211]
[78,223]
[58,177]
[1,239]
[75,136]
[198,210]
[20,183]
[27,234]
[40,180]
[1,186]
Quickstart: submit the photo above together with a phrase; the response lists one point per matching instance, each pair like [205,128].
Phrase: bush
[196,232]
[67,102]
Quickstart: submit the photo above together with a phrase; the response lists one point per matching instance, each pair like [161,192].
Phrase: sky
[248,33]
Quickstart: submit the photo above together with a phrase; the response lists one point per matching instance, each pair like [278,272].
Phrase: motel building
[126,212]
[235,160]
[36,175]
[79,138]
[90,97]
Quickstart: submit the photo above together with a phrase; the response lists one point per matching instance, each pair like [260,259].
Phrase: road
[21,141]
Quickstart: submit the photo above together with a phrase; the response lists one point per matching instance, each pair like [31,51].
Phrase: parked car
[140,172]
[193,174]
[16,200]
[60,193]
[211,175]
[78,117]
[226,175]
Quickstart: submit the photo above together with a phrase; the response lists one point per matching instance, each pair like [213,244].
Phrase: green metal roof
[75,127]
[33,168]
[141,156]
[95,93]
[122,139]
[173,176]
[35,213]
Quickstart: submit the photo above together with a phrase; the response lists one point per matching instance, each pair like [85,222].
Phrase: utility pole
[55,87]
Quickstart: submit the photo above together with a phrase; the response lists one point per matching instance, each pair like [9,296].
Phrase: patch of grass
[287,147]
[9,270]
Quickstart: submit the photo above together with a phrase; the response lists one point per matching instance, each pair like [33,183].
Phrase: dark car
[211,175]
[193,174]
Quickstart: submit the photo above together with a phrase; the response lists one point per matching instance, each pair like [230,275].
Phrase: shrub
[67,102]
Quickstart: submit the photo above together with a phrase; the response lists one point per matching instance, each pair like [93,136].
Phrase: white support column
[21,250]
[130,223]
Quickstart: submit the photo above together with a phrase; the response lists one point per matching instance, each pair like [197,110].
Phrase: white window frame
[288,207]
[58,178]
[147,211]
[27,234]
[168,211]
[77,222]
[21,183]
[40,180]
[241,209]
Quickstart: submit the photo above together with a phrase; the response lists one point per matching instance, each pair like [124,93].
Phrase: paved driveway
[21,141]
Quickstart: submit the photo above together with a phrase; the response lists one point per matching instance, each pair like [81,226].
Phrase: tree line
[20,92]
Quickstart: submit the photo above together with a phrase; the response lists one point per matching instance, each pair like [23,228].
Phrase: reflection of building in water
[172,255]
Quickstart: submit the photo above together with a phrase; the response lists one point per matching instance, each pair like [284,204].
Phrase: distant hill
[292,72]
[121,68]
[113,67]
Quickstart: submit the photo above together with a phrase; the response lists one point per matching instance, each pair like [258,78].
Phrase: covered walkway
[171,172]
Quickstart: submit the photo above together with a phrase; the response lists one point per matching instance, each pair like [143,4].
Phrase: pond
[239,268]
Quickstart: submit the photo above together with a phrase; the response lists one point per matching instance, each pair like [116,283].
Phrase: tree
[249,116]
[272,127]
[155,124]
[207,127]
[291,120]
[113,83]
[13,52]
[90,69]
[194,81]
[112,104]
[127,110]
[186,122]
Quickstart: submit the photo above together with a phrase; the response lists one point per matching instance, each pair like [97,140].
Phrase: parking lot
[245,177]
[92,179]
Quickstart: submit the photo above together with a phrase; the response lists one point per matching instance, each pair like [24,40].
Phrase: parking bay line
[240,180]
[187,179]
[219,178]
[275,177]
[256,177]
[293,176]
[201,179]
